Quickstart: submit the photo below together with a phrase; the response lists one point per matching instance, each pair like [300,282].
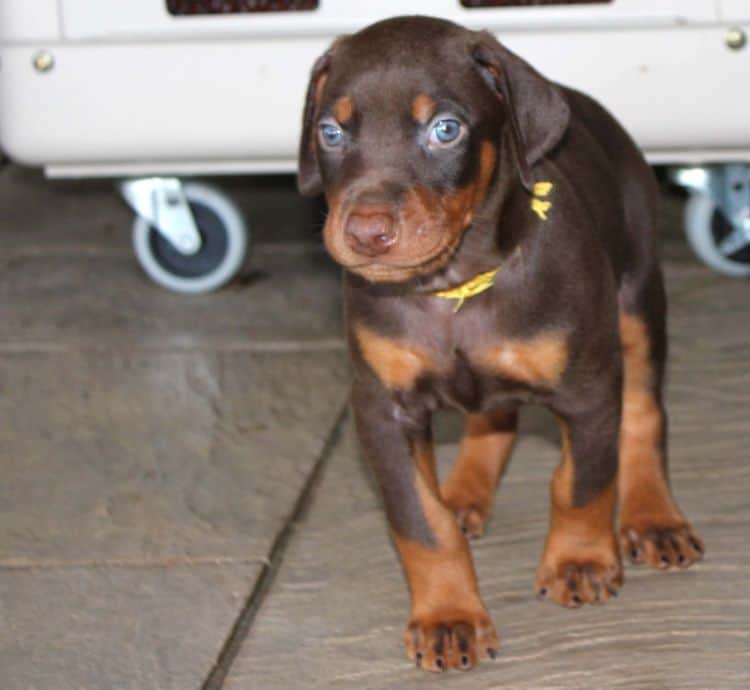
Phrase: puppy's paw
[573,573]
[661,546]
[456,639]
[470,506]
[470,519]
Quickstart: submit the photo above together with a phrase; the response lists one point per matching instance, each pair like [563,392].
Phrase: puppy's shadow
[448,426]
[534,420]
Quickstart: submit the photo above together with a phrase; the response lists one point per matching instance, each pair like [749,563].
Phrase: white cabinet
[137,90]
[735,10]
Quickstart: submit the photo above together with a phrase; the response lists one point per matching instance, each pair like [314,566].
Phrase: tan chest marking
[539,360]
[397,364]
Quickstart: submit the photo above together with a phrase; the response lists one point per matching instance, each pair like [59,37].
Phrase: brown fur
[485,449]
[573,316]
[581,561]
[652,526]
[448,626]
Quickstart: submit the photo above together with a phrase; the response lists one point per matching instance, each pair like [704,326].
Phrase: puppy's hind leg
[484,452]
[652,527]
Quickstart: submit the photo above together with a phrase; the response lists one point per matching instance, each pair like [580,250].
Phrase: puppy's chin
[382,271]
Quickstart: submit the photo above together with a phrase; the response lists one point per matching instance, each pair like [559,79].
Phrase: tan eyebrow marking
[423,108]
[344,109]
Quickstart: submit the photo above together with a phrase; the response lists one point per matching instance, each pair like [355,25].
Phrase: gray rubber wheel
[224,240]
[706,226]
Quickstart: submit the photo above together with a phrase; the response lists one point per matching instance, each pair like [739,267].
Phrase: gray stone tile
[123,629]
[43,215]
[104,302]
[157,456]
[334,618]
[153,445]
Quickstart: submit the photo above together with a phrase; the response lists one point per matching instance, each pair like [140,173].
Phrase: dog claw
[663,547]
[454,644]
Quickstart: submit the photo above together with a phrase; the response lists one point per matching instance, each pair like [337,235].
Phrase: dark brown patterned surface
[472,4]
[183,7]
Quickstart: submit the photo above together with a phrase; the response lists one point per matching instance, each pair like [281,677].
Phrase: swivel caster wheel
[721,245]
[717,215]
[188,237]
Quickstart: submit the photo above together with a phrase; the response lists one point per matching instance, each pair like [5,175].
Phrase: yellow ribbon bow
[479,283]
[540,206]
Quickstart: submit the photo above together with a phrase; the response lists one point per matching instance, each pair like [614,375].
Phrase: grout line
[75,250]
[252,346]
[243,623]
[24,564]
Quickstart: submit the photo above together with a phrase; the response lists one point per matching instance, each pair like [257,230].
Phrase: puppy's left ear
[538,112]
[309,181]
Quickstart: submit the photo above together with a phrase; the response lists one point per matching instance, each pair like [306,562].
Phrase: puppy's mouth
[408,263]
[399,266]
[393,243]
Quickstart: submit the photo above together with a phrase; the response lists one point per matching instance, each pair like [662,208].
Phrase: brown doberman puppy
[498,236]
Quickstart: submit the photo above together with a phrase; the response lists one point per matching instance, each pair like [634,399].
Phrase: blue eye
[445,131]
[331,134]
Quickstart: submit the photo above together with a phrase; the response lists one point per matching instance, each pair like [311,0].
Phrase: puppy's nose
[370,232]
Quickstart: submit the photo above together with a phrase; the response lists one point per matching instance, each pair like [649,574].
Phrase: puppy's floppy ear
[537,109]
[309,181]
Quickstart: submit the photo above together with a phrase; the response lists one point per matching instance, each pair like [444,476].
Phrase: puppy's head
[402,130]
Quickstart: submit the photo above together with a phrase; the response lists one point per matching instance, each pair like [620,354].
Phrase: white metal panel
[166,101]
[140,19]
[735,10]
[28,20]
[242,100]
[671,89]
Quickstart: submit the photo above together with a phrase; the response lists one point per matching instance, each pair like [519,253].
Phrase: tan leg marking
[448,626]
[484,451]
[540,360]
[397,365]
[580,563]
[652,527]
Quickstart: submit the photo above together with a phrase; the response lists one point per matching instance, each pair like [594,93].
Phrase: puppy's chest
[470,372]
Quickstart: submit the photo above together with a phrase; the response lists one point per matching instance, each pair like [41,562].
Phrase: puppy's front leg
[448,625]
[581,561]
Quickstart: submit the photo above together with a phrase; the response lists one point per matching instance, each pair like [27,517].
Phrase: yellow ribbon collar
[479,283]
[541,205]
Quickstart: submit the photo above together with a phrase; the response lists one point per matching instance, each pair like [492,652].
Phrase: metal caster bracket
[161,201]
[729,187]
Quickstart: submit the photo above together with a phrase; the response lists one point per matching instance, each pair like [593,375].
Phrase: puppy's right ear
[309,181]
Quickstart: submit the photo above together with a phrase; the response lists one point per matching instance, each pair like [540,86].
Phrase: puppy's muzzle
[370,231]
